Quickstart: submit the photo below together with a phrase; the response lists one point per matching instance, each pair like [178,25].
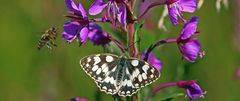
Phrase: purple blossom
[79,99]
[193,90]
[237,73]
[97,36]
[189,47]
[153,60]
[78,27]
[116,10]
[176,7]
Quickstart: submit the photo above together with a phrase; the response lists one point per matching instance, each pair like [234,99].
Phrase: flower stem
[159,87]
[134,3]
[117,43]
[149,7]
[153,46]
[117,98]
[131,39]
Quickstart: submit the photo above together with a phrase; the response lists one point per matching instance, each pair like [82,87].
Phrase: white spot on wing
[136,85]
[95,68]
[129,83]
[145,68]
[140,78]
[144,76]
[152,70]
[107,79]
[88,59]
[124,82]
[105,69]
[135,62]
[96,60]
[123,92]
[114,69]
[135,73]
[112,80]
[128,92]
[152,76]
[104,66]
[98,71]
[99,78]
[104,87]
[109,58]
[110,90]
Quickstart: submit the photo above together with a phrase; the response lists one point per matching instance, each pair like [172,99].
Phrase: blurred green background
[27,74]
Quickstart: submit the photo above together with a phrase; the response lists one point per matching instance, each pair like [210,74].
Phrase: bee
[48,38]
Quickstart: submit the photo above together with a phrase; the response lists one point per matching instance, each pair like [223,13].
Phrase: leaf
[137,36]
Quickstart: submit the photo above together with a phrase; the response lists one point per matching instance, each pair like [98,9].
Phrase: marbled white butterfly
[118,74]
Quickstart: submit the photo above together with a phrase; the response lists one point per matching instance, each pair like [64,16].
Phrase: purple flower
[97,36]
[189,47]
[193,90]
[116,10]
[153,60]
[176,7]
[79,99]
[237,73]
[78,27]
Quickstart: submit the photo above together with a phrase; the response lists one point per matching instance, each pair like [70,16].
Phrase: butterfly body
[119,74]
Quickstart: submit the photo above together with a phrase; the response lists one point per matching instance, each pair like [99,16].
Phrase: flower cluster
[120,14]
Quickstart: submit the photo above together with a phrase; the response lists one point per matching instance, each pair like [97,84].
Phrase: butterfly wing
[142,73]
[127,85]
[139,74]
[97,66]
[108,85]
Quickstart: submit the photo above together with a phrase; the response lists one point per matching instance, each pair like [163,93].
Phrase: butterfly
[118,74]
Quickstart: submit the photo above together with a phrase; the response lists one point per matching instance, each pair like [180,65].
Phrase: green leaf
[137,36]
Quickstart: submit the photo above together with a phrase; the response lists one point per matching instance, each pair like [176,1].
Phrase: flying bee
[48,38]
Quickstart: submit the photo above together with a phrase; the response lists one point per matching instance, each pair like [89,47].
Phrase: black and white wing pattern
[138,74]
[142,73]
[119,75]
[97,66]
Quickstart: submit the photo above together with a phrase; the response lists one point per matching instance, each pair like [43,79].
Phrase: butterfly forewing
[97,66]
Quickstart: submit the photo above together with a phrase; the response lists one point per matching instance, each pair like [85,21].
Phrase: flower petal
[71,29]
[152,60]
[76,9]
[83,35]
[97,7]
[190,28]
[78,99]
[122,15]
[82,10]
[193,90]
[173,14]
[97,36]
[188,5]
[72,6]
[190,50]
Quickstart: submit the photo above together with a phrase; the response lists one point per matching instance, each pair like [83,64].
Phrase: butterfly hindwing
[142,73]
[108,85]
[127,85]
[97,66]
